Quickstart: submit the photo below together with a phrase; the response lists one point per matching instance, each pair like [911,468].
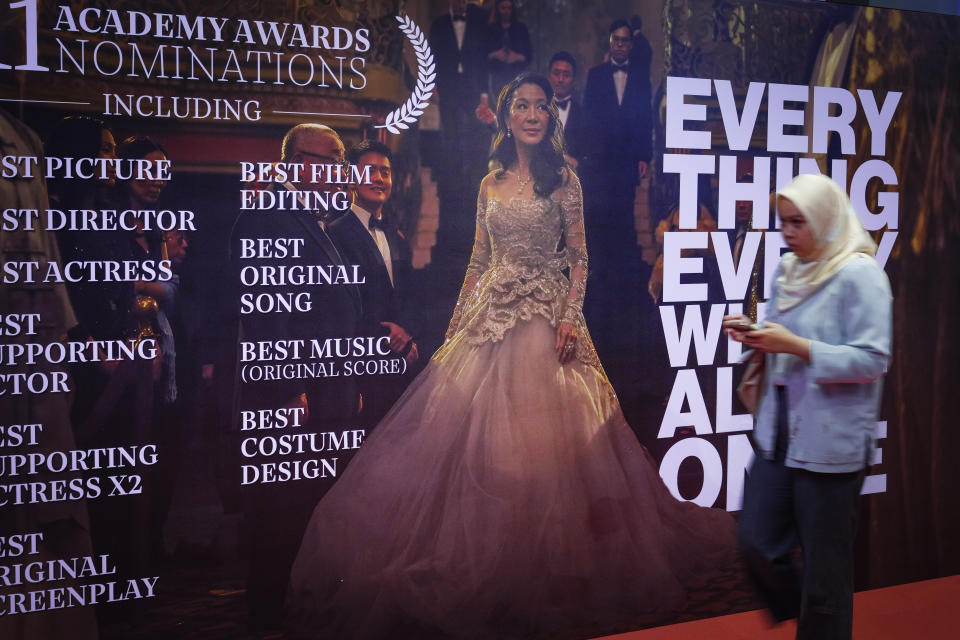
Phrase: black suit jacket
[575,133]
[335,313]
[463,87]
[619,134]
[382,301]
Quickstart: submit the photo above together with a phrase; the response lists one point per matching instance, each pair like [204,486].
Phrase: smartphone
[744,327]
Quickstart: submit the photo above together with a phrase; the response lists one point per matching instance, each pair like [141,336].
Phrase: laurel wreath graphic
[412,109]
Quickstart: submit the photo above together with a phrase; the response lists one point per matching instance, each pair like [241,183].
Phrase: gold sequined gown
[504,495]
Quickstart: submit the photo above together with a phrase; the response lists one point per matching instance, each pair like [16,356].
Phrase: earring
[509,133]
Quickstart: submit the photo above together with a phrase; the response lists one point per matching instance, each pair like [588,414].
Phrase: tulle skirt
[502,496]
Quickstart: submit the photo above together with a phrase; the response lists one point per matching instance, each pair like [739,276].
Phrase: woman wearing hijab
[826,342]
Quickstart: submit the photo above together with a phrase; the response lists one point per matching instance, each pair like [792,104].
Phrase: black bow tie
[459,17]
[562,104]
[377,223]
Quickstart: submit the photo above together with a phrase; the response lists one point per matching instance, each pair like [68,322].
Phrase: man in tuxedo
[616,150]
[366,238]
[275,513]
[562,74]
[618,140]
[458,42]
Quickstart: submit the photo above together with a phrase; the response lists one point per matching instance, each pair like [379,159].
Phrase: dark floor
[210,604]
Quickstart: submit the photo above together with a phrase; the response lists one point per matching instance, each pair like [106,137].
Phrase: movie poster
[298,340]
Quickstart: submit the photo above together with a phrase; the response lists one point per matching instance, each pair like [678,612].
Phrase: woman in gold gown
[504,495]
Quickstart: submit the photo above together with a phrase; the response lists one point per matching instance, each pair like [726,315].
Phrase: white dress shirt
[459,28]
[620,82]
[564,111]
[379,237]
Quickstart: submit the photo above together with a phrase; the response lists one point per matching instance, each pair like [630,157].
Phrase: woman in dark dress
[508,45]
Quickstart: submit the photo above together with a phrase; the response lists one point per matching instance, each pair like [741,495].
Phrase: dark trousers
[783,507]
[275,517]
[465,147]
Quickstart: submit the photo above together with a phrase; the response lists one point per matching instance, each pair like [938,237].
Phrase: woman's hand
[485,114]
[775,338]
[566,342]
[735,326]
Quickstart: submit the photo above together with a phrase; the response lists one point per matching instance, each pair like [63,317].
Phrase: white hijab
[838,237]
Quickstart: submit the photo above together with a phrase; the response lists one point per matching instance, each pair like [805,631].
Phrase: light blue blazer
[834,399]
